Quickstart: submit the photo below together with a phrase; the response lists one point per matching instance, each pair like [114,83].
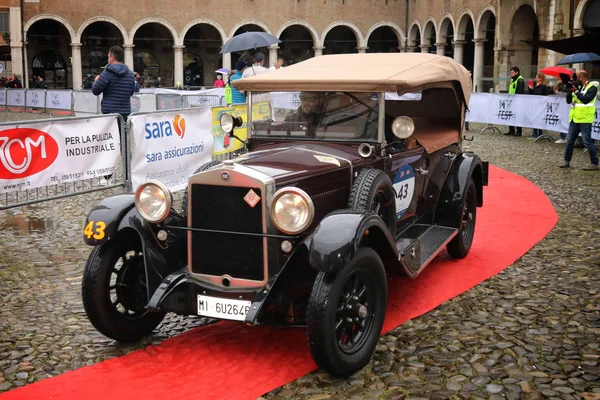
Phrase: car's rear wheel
[114,290]
[345,314]
[184,202]
[460,246]
[373,190]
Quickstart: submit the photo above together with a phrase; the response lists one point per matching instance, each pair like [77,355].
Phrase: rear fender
[466,166]
[335,241]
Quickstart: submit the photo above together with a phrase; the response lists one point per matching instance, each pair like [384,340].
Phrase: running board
[420,244]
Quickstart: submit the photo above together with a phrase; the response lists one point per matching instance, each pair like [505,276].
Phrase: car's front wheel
[114,290]
[345,314]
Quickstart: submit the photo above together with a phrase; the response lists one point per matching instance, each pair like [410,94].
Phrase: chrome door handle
[422,171]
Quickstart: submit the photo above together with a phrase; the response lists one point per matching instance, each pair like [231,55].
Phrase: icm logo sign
[157,130]
[25,152]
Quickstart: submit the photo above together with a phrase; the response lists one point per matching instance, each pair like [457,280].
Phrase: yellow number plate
[95,229]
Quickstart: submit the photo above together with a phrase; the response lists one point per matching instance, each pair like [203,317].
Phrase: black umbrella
[249,40]
[579,58]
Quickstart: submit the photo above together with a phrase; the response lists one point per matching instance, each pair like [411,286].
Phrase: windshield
[318,115]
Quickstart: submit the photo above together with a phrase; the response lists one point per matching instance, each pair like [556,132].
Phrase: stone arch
[54,17]
[429,31]
[399,32]
[580,13]
[414,34]
[463,21]
[524,33]
[249,22]
[446,21]
[176,40]
[206,21]
[359,38]
[109,20]
[482,21]
[309,27]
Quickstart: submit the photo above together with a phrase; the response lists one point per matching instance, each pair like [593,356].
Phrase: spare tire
[184,202]
[373,190]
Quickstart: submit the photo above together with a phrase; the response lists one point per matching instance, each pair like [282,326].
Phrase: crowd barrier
[83,102]
[50,159]
[528,111]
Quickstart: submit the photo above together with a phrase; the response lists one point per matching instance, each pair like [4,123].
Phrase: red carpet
[233,361]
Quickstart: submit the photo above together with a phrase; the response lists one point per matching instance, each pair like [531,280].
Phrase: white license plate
[216,307]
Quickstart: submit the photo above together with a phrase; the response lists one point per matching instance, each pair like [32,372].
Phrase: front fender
[105,218]
[336,239]
[466,166]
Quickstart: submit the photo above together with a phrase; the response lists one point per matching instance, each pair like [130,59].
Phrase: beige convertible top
[374,72]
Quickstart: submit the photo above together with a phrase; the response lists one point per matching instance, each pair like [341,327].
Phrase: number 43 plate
[215,307]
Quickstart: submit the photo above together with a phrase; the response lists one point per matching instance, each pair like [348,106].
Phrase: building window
[4,22]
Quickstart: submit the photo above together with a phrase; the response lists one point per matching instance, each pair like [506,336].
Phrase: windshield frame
[380,126]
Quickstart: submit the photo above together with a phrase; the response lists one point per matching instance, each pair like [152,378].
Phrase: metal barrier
[84,101]
[168,101]
[201,100]
[120,177]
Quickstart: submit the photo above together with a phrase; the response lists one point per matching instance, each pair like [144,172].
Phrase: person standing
[541,88]
[42,83]
[258,66]
[583,111]
[238,97]
[157,83]
[219,82]
[517,86]
[117,84]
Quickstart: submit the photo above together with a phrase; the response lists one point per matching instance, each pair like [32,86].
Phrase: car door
[407,171]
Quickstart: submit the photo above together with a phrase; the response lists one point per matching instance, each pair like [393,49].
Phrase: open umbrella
[579,58]
[556,71]
[249,40]
[223,70]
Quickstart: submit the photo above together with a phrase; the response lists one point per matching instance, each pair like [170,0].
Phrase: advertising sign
[261,111]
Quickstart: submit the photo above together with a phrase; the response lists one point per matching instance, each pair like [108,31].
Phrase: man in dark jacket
[517,86]
[117,83]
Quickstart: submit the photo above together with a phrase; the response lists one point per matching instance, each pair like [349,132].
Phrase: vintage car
[358,171]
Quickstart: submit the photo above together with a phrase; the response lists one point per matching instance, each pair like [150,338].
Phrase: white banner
[15,97]
[36,98]
[49,153]
[58,99]
[528,111]
[3,97]
[170,146]
[84,101]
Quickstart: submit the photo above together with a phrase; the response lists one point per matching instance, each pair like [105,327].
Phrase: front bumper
[179,292]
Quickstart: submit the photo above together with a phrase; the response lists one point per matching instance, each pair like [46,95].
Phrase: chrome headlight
[228,122]
[292,210]
[153,201]
[403,127]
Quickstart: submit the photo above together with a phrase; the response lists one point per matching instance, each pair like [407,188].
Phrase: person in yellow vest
[581,117]
[517,86]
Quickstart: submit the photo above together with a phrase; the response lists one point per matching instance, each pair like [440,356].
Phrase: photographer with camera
[582,98]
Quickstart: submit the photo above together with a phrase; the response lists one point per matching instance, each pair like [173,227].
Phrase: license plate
[215,307]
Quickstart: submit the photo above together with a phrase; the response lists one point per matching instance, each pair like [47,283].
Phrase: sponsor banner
[36,98]
[261,111]
[168,101]
[50,153]
[15,97]
[528,111]
[58,99]
[3,96]
[170,146]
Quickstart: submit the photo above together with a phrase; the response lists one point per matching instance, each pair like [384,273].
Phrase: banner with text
[49,153]
[170,146]
[528,111]
[261,111]
[59,99]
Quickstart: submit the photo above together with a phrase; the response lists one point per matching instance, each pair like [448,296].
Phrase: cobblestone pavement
[530,332]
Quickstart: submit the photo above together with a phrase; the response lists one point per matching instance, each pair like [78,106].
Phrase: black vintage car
[357,172]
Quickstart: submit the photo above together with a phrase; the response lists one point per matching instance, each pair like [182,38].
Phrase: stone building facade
[180,40]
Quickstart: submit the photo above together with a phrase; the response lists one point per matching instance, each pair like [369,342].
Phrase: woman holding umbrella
[541,88]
